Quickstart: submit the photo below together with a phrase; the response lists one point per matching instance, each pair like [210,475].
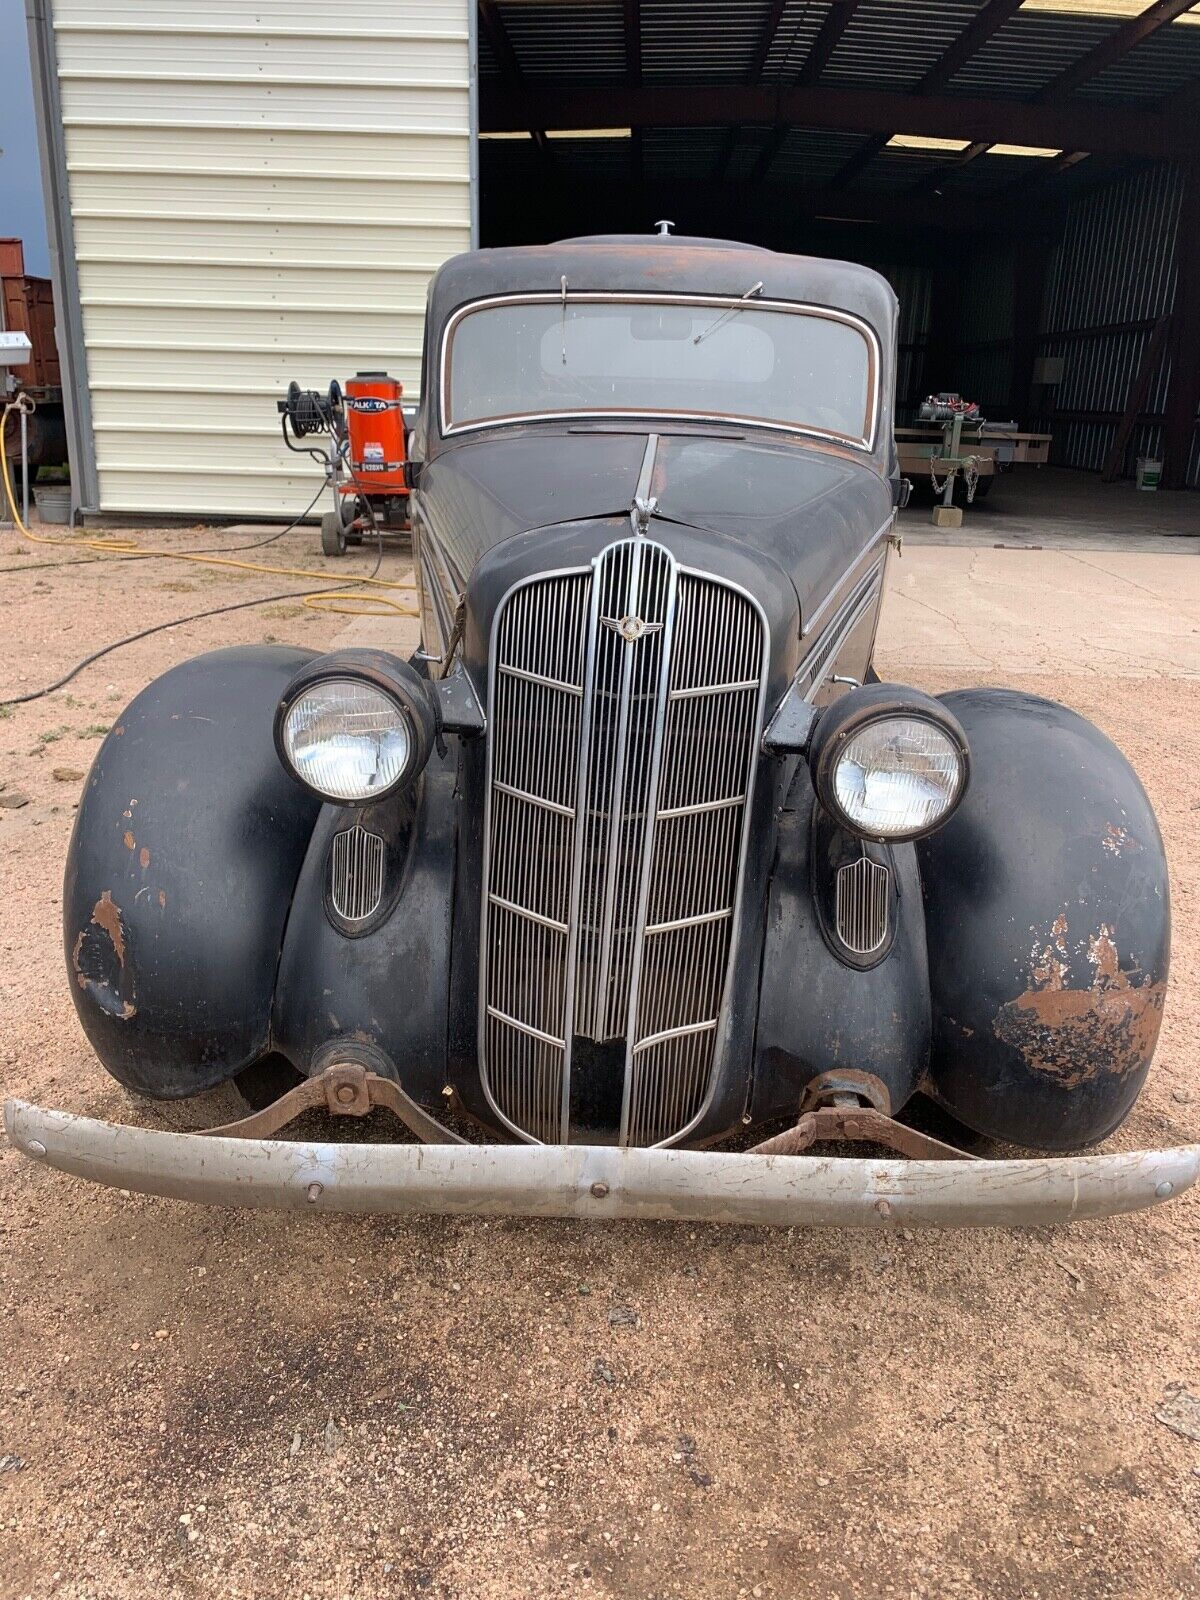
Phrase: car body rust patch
[1076,1035]
[99,960]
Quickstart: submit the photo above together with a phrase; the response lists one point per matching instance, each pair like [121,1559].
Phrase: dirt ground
[220,1404]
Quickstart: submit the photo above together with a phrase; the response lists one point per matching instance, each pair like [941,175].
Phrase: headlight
[889,763]
[355,727]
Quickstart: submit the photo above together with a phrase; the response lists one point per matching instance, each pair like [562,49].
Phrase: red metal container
[376,424]
[28,307]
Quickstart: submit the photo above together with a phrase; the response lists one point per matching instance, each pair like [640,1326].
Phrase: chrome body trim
[864,442]
[817,663]
[808,623]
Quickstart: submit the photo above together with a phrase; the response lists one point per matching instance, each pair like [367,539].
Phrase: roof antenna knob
[664,228]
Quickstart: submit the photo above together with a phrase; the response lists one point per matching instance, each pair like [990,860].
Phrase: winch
[366,459]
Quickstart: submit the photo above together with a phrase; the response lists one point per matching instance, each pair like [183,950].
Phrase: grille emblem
[631,629]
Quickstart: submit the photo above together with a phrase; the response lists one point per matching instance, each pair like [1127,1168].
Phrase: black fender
[824,1023]
[380,994]
[183,859]
[1048,926]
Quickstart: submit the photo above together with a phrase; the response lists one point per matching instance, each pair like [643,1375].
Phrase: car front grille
[624,714]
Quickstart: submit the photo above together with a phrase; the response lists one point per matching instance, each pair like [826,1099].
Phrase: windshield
[728,359]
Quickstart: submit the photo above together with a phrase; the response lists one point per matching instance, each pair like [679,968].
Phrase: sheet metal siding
[256,196]
[1115,264]
[985,357]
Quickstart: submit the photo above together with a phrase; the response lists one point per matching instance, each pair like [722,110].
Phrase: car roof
[663,263]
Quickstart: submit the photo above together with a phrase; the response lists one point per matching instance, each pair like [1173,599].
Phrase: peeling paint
[130,841]
[144,857]
[107,915]
[1118,839]
[1076,1035]
[162,899]
[99,960]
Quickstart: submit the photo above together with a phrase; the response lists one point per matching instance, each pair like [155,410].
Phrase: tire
[333,534]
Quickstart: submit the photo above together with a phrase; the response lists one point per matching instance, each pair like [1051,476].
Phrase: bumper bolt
[599,1190]
[1165,1189]
[345,1094]
[36,1147]
[884,1209]
[315,1191]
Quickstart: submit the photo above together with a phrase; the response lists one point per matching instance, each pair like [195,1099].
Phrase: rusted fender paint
[1049,928]
[1076,1035]
[180,874]
[98,960]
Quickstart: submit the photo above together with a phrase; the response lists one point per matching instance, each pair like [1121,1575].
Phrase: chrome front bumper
[595,1182]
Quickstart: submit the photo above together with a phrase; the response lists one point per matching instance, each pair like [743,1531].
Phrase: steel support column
[1183,397]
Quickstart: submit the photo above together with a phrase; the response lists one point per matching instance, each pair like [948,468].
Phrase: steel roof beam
[754,72]
[510,68]
[988,21]
[1119,43]
[766,39]
[837,19]
[508,107]
[929,183]
[633,71]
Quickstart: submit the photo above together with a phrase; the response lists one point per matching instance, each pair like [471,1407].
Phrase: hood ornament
[631,629]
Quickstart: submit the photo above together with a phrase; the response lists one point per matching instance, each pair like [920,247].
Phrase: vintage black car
[635,856]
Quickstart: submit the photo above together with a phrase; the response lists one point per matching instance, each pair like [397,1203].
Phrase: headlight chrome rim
[383,683]
[849,724]
[334,727]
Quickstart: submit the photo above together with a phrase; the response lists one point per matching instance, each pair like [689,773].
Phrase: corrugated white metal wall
[258,192]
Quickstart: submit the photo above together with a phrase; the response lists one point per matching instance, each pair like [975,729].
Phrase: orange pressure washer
[366,459]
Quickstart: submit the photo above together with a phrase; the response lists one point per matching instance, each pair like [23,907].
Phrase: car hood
[810,508]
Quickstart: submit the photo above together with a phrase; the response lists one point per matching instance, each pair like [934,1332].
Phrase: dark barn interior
[1027,175]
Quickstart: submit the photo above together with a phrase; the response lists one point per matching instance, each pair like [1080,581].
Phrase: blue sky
[22,214]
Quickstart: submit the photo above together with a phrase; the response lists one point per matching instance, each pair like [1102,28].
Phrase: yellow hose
[339,601]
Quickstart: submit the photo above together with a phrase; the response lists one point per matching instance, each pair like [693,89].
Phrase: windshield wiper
[725,315]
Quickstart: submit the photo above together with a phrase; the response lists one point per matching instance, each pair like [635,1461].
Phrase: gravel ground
[221,1404]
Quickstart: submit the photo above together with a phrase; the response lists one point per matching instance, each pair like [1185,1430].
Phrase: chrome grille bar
[536,695]
[861,905]
[697,847]
[624,711]
[356,873]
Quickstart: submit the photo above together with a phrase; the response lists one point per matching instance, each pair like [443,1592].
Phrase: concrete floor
[1057,507]
[1055,575]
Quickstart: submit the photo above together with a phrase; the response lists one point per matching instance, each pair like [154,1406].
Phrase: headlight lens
[347,740]
[898,777]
